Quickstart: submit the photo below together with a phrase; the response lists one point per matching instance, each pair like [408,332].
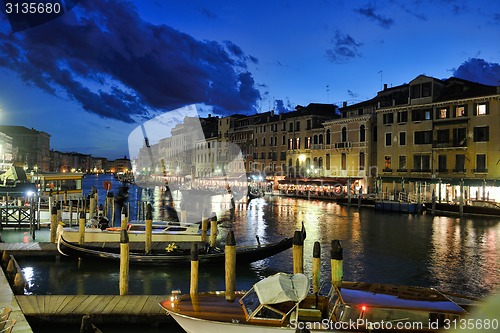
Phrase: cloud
[344,48]
[369,12]
[479,70]
[114,64]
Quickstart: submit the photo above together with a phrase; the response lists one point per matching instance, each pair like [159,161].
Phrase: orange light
[363,308]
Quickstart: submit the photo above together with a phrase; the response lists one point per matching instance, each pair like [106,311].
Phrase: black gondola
[244,254]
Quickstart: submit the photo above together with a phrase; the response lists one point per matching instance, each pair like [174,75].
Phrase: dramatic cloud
[369,12]
[344,48]
[104,56]
[479,70]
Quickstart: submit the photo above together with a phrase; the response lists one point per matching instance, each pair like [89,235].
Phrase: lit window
[460,111]
[387,163]
[481,109]
[443,113]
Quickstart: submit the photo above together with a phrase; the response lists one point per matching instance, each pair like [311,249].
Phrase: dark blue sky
[92,75]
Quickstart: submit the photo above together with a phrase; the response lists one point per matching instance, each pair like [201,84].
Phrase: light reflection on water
[451,254]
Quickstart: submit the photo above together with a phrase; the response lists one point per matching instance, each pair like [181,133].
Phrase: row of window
[439,113]
[422,163]
[443,139]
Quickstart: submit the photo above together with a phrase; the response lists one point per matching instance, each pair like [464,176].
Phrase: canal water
[447,253]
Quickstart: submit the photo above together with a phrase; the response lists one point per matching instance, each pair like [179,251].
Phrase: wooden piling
[213,231]
[183,212]
[71,213]
[433,202]
[5,258]
[298,252]
[124,257]
[19,283]
[92,206]
[149,228]
[53,224]
[193,290]
[81,227]
[316,267]
[337,263]
[461,202]
[204,226]
[11,267]
[230,260]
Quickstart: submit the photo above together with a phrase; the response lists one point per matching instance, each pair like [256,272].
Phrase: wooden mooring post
[124,255]
[149,228]
[316,267]
[230,261]
[53,224]
[193,288]
[337,263]
[213,230]
[298,252]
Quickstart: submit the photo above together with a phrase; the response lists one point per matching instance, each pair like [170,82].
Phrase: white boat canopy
[282,287]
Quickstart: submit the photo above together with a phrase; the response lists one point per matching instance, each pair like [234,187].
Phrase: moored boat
[281,303]
[170,253]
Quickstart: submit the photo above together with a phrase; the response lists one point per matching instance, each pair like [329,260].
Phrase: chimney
[385,86]
[344,104]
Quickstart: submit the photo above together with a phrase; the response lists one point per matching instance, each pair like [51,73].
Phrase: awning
[282,287]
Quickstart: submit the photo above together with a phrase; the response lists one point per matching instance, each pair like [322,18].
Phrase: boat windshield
[254,310]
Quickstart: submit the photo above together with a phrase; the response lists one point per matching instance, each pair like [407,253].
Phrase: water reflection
[456,255]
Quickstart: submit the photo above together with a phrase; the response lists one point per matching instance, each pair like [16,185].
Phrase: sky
[91,76]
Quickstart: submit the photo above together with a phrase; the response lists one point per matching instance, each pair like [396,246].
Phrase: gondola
[244,254]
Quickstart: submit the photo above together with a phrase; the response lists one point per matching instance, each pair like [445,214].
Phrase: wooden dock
[101,308]
[30,249]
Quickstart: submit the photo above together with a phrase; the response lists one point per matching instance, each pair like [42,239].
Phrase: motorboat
[283,303]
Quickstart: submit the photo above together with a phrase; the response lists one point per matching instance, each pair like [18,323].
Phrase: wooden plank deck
[30,249]
[101,308]
[7,299]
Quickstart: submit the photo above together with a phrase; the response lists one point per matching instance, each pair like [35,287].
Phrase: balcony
[343,146]
[459,170]
[442,170]
[421,170]
[387,170]
[480,170]
[454,144]
[402,170]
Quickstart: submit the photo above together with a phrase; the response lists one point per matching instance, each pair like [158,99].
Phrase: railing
[343,145]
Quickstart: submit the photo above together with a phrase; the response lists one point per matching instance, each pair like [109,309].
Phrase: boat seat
[310,315]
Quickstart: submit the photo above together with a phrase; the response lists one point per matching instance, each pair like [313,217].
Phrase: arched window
[344,134]
[321,139]
[327,136]
[362,133]
[320,162]
[315,139]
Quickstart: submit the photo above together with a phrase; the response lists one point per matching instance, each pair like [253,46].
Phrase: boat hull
[193,325]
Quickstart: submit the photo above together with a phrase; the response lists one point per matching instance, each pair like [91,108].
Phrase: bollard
[316,267]
[149,228]
[81,228]
[53,224]
[298,252]
[124,262]
[213,230]
[193,290]
[336,263]
[230,260]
